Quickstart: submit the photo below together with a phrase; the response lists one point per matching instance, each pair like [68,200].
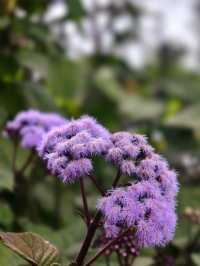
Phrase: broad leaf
[196,258]
[31,247]
[8,258]
[76,10]
[187,118]
[129,104]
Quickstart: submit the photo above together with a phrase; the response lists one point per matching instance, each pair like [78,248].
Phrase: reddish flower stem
[27,162]
[116,179]
[108,245]
[84,199]
[14,156]
[93,179]
[88,239]
[119,259]
[91,232]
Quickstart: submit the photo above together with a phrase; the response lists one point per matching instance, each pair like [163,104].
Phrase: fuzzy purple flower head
[30,126]
[126,150]
[148,203]
[68,150]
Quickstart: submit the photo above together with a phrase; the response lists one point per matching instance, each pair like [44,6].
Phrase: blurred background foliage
[39,69]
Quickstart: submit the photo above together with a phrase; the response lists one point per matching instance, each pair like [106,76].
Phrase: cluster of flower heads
[67,147]
[126,149]
[68,150]
[148,203]
[30,126]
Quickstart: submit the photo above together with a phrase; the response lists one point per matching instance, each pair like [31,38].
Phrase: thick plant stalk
[21,188]
[88,239]
[91,232]
[27,162]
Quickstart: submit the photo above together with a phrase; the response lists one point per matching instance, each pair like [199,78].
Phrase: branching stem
[108,245]
[93,179]
[91,232]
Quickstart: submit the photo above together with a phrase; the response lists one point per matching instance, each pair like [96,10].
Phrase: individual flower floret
[74,144]
[30,126]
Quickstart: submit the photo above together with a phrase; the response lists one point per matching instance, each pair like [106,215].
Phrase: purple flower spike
[77,142]
[30,126]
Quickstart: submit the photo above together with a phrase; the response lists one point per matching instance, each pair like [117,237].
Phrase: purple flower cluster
[148,204]
[30,126]
[126,149]
[68,150]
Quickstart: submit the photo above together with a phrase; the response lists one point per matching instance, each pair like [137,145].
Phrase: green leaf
[6,215]
[64,76]
[33,60]
[129,104]
[32,6]
[196,258]
[76,10]
[6,175]
[8,258]
[37,96]
[187,118]
[31,247]
[66,83]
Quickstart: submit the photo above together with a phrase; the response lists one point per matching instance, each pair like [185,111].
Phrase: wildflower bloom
[68,150]
[30,126]
[148,203]
[127,148]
